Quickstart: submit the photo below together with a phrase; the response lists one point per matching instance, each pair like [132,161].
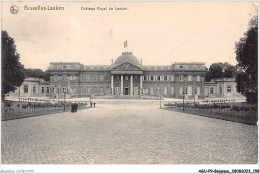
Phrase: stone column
[122,85]
[131,85]
[141,84]
[112,84]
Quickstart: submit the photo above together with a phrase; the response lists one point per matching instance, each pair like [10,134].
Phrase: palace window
[229,89]
[198,78]
[55,78]
[145,90]
[65,91]
[180,91]
[102,78]
[172,78]
[42,89]
[151,90]
[98,78]
[165,78]
[220,89]
[181,78]
[81,89]
[211,90]
[161,78]
[64,77]
[90,78]
[145,78]
[34,89]
[172,90]
[48,90]
[158,78]
[165,90]
[158,90]
[198,90]
[189,78]
[151,78]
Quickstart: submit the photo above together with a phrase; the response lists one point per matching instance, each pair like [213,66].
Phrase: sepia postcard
[170,84]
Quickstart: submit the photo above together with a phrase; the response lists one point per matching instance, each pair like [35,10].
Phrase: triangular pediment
[126,66]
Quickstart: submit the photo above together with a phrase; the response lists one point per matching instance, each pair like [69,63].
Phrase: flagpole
[126,45]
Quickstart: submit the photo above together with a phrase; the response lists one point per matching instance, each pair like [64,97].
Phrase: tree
[221,70]
[215,71]
[230,71]
[247,57]
[12,70]
[37,73]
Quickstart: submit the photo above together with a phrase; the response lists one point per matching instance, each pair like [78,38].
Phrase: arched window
[180,91]
[172,90]
[165,90]
[189,90]
[229,89]
[25,89]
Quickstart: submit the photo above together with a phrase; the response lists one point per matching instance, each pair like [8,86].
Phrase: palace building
[126,76]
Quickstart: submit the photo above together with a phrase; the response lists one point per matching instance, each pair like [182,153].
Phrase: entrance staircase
[125,97]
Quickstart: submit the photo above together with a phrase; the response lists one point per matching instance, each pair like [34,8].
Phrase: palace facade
[126,76]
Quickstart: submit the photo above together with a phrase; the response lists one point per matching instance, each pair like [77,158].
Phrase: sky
[159,33]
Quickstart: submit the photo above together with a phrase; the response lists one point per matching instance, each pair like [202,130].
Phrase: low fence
[22,109]
[239,112]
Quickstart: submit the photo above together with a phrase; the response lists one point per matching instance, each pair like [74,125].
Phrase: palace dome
[127,57]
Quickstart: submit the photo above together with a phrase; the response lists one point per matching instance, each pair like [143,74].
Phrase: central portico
[127,75]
